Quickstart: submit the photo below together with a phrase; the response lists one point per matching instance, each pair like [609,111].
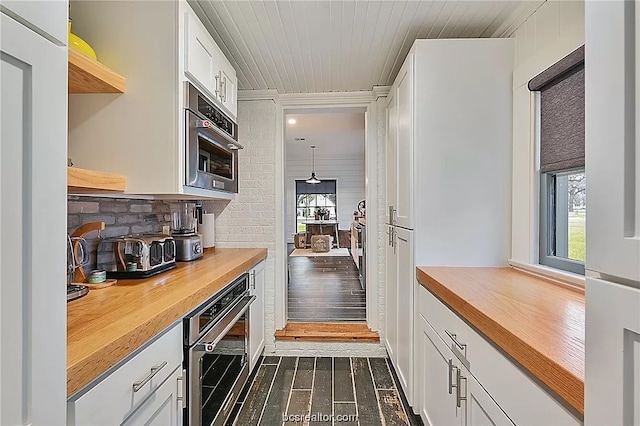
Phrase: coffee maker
[183,231]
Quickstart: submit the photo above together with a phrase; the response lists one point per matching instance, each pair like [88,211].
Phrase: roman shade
[324,187]
[561,89]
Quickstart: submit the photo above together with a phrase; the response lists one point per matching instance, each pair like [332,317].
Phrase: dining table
[321,224]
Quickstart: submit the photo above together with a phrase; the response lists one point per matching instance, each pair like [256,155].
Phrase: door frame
[319,101]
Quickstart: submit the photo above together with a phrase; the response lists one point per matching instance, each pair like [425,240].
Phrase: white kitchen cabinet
[207,66]
[404,151]
[48,17]
[611,108]
[147,145]
[164,407]
[612,375]
[202,59]
[435,394]
[406,286]
[392,157]
[256,314]
[497,391]
[33,216]
[136,387]
[391,296]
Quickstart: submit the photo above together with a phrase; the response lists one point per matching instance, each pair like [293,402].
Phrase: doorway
[326,281]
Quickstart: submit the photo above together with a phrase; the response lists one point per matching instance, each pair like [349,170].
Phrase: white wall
[349,173]
[552,32]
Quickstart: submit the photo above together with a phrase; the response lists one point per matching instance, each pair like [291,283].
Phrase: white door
[228,87]
[612,358]
[256,314]
[391,296]
[404,81]
[202,56]
[163,407]
[392,147]
[436,379]
[611,111]
[33,209]
[479,407]
[406,285]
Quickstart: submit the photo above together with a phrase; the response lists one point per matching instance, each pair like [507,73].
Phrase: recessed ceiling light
[292,121]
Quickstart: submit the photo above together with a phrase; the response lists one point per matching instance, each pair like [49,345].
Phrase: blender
[183,231]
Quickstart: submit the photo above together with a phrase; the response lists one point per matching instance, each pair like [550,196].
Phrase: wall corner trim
[381,91]
[257,95]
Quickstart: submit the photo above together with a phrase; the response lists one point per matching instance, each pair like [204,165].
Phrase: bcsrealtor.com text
[319,417]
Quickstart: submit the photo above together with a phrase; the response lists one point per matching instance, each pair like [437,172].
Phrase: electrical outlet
[166,229]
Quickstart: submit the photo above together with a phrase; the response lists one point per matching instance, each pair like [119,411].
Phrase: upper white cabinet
[207,66]
[33,217]
[611,114]
[48,17]
[392,162]
[256,314]
[141,134]
[404,146]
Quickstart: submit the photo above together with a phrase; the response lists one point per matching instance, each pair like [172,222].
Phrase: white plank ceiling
[341,46]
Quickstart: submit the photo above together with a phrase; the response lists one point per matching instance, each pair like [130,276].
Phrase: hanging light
[313,178]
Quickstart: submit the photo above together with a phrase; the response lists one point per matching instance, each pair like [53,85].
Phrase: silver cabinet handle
[459,397]
[392,213]
[223,89]
[217,89]
[453,336]
[403,239]
[451,367]
[252,279]
[154,370]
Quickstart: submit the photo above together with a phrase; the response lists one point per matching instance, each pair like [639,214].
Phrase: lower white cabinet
[256,314]
[146,389]
[473,383]
[163,407]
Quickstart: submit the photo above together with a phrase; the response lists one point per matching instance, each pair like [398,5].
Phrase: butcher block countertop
[539,323]
[110,323]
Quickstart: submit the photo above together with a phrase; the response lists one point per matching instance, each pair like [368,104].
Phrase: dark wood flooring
[325,289]
[322,391]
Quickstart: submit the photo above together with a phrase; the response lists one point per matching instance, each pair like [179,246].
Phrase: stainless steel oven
[211,144]
[216,354]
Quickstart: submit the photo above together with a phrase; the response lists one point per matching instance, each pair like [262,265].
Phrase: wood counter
[108,324]
[538,323]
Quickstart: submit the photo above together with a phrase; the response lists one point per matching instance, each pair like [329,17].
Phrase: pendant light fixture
[313,178]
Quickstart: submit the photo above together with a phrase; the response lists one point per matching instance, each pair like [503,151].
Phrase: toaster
[136,256]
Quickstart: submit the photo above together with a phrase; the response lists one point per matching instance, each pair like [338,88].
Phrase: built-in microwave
[211,144]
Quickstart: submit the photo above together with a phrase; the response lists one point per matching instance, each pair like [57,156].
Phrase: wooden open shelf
[89,76]
[83,180]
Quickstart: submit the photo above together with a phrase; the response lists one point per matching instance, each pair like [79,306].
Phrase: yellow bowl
[81,45]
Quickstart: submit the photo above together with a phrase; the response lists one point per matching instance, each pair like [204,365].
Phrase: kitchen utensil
[96,277]
[81,232]
[188,247]
[183,218]
[136,256]
[80,45]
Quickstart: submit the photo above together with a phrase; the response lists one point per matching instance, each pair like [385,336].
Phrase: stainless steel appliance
[136,256]
[216,336]
[183,231]
[212,144]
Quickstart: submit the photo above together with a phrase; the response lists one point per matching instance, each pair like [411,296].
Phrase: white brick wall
[381,254]
[249,220]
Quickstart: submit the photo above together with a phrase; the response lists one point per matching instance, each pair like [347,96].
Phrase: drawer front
[114,398]
[515,391]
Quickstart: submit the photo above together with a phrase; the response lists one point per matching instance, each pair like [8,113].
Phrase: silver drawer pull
[451,367]
[154,370]
[453,336]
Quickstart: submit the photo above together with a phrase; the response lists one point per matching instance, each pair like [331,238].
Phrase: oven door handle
[228,320]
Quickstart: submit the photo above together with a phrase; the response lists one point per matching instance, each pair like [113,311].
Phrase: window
[315,199]
[563,180]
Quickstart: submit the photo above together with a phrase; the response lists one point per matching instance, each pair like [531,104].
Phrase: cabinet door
[33,217]
[406,285]
[391,296]
[479,407]
[612,363]
[49,17]
[256,314]
[436,395]
[228,87]
[202,56]
[392,147]
[163,407]
[613,170]
[404,182]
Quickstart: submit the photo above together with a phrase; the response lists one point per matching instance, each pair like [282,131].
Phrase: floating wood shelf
[89,76]
[83,180]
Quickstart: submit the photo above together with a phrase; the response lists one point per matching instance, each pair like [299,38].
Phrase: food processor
[183,231]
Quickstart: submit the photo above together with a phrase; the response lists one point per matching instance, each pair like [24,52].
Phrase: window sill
[567,278]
